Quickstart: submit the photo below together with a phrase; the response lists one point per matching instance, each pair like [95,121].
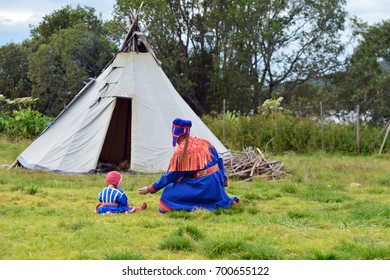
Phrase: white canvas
[73,143]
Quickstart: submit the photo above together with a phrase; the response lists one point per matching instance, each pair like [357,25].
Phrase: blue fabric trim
[189,193]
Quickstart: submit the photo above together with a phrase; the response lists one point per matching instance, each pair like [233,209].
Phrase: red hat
[114,178]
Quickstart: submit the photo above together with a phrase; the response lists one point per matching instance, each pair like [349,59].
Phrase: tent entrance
[116,150]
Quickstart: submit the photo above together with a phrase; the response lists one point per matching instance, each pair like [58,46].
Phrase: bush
[19,120]
[23,123]
[290,134]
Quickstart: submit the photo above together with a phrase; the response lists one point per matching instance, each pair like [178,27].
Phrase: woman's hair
[184,137]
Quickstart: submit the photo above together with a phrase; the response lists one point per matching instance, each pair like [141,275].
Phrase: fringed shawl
[196,157]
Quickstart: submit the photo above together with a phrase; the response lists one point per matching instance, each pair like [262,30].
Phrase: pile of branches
[251,164]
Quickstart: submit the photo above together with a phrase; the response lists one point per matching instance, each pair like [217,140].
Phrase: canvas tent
[125,114]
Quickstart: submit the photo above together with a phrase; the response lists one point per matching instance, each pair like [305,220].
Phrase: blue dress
[112,196]
[200,188]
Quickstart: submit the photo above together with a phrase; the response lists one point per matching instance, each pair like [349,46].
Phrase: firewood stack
[248,165]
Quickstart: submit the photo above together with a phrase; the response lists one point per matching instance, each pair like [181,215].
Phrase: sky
[16,16]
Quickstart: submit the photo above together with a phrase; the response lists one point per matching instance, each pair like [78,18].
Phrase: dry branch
[248,165]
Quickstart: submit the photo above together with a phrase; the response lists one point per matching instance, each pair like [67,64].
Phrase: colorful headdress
[114,178]
[180,127]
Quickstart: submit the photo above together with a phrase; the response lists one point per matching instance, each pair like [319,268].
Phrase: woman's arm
[167,178]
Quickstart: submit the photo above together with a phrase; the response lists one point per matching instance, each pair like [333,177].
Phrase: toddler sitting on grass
[112,199]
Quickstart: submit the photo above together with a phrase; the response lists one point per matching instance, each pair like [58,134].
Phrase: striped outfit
[112,196]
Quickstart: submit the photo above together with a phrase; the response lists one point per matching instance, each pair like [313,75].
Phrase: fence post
[276,119]
[358,129]
[224,120]
[322,126]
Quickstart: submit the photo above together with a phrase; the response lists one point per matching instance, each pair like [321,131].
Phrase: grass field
[331,207]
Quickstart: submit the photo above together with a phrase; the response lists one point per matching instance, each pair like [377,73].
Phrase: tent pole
[16,163]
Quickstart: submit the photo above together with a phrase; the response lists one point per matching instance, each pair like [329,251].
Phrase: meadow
[329,207]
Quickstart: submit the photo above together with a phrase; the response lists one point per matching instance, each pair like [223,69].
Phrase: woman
[195,178]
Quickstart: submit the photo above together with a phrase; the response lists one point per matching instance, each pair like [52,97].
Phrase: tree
[65,18]
[298,41]
[172,31]
[14,82]
[72,47]
[367,79]
[243,50]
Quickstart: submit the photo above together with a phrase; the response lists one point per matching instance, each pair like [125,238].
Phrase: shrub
[23,123]
[291,134]
[19,120]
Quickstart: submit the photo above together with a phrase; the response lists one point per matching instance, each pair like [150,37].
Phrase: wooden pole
[322,126]
[276,120]
[379,136]
[16,163]
[358,129]
[384,139]
[224,120]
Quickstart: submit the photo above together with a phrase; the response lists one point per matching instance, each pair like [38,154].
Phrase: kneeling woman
[195,178]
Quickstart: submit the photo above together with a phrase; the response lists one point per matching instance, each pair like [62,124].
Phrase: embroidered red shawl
[196,157]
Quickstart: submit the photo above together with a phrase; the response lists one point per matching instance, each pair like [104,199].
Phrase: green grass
[315,214]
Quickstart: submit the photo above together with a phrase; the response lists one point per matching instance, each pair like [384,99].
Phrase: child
[113,199]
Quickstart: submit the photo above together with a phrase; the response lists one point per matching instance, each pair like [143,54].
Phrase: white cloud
[16,16]
[371,11]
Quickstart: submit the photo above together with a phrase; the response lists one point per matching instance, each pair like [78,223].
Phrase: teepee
[124,115]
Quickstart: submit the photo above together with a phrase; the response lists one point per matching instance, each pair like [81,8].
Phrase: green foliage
[24,123]
[366,81]
[291,134]
[64,18]
[7,105]
[59,67]
[67,48]
[271,106]
[14,82]
[233,50]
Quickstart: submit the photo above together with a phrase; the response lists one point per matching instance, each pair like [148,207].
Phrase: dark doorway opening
[116,151]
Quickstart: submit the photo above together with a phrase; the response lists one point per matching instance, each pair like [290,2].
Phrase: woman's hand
[143,190]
